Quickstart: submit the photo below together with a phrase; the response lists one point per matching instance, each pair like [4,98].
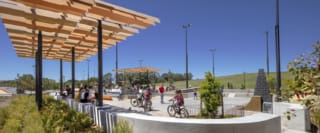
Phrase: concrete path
[193,106]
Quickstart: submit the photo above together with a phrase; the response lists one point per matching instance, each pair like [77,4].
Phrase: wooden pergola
[68,30]
[66,24]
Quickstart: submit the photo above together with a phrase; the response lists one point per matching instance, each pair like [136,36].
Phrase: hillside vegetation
[236,80]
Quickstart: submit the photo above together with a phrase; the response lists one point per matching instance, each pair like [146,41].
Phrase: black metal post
[116,63]
[277,31]
[100,71]
[88,71]
[61,77]
[36,76]
[40,70]
[187,72]
[72,72]
[267,39]
[213,52]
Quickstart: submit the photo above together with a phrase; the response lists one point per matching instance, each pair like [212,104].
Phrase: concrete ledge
[256,123]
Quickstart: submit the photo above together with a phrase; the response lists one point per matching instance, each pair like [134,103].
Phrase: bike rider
[179,100]
[147,96]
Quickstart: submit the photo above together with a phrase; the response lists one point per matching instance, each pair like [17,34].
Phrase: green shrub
[3,117]
[122,126]
[210,94]
[22,116]
[57,116]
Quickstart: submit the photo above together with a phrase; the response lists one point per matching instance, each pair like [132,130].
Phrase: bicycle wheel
[171,111]
[134,102]
[184,113]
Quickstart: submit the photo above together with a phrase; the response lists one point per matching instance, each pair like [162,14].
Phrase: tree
[306,82]
[26,82]
[93,81]
[210,95]
[107,78]
[49,84]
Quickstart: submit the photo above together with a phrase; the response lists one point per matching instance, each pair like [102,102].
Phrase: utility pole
[187,26]
[278,65]
[267,39]
[213,52]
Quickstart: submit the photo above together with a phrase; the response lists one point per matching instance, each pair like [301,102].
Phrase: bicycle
[138,101]
[173,109]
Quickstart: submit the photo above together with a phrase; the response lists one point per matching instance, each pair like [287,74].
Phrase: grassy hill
[236,80]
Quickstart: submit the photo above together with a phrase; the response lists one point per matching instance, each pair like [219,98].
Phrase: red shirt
[161,89]
[180,99]
[147,95]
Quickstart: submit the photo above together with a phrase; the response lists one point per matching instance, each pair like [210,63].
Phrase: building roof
[66,24]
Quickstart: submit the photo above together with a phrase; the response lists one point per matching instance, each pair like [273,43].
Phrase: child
[147,97]
[195,94]
[180,100]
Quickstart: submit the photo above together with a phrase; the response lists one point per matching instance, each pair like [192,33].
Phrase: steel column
[61,77]
[39,93]
[36,75]
[72,73]
[100,71]
[116,63]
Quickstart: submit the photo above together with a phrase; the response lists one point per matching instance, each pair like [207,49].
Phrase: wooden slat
[66,24]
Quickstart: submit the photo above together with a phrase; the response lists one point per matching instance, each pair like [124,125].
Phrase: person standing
[195,94]
[161,91]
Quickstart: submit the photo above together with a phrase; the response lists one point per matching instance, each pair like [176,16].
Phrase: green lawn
[236,80]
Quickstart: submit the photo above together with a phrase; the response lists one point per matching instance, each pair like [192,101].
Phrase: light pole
[88,71]
[267,40]
[187,26]
[212,52]
[278,65]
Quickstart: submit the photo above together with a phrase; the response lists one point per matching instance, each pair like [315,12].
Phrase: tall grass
[236,80]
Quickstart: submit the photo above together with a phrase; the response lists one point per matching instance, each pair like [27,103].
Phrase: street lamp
[267,40]
[213,51]
[187,26]
[278,64]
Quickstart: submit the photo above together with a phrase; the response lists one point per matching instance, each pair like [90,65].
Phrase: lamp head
[186,26]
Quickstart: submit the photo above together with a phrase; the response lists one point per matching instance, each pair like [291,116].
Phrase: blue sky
[235,28]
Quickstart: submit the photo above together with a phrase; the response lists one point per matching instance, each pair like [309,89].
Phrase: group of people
[87,94]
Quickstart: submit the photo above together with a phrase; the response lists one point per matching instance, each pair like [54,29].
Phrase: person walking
[161,91]
[195,95]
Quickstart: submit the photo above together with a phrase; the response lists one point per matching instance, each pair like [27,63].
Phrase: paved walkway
[192,105]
